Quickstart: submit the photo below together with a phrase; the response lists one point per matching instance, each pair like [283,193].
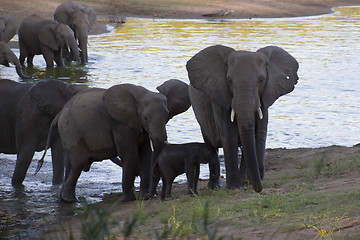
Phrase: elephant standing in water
[126,121]
[26,112]
[80,19]
[230,92]
[47,37]
[7,56]
[7,28]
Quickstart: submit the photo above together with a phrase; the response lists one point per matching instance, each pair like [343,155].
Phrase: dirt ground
[117,10]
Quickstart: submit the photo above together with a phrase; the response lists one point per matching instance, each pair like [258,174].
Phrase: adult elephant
[126,121]
[47,37]
[80,19]
[26,112]
[7,28]
[7,56]
[231,92]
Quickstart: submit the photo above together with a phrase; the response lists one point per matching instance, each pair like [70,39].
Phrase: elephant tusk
[232,116]
[260,113]
[151,145]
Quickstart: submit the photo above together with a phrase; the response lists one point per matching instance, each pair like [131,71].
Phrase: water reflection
[324,108]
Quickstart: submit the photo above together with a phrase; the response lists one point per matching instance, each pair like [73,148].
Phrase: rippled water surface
[323,110]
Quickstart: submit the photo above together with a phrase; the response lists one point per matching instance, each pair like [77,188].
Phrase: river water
[323,110]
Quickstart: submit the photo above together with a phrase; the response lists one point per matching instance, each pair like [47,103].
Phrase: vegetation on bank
[308,198]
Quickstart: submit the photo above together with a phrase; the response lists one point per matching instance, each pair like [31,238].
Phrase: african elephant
[7,56]
[7,28]
[176,159]
[26,112]
[126,121]
[47,37]
[231,92]
[80,19]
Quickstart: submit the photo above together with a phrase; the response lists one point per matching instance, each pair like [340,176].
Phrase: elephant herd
[230,92]
[63,39]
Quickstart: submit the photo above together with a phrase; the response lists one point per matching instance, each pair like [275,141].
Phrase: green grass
[297,201]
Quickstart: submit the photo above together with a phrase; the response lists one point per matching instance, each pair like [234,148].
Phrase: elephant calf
[49,38]
[176,159]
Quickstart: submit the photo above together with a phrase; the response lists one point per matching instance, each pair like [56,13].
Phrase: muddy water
[323,110]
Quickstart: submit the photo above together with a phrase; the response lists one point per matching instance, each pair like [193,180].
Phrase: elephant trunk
[83,39]
[246,112]
[14,60]
[75,53]
[20,72]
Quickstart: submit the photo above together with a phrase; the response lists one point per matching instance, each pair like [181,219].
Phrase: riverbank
[115,11]
[309,193]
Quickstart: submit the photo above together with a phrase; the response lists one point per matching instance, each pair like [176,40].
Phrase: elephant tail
[48,143]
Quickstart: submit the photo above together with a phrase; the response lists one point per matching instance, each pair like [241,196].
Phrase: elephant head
[245,84]
[7,28]
[144,110]
[7,56]
[80,19]
[58,35]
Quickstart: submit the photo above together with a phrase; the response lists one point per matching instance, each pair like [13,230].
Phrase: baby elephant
[176,159]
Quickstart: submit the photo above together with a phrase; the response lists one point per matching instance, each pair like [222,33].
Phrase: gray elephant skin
[126,121]
[230,92]
[176,159]
[7,56]
[47,37]
[7,28]
[26,112]
[80,19]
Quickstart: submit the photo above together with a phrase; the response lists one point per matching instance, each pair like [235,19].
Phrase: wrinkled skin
[80,19]
[222,79]
[7,28]
[97,124]
[176,159]
[7,56]
[26,112]
[47,37]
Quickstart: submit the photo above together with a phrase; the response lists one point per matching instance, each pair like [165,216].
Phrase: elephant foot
[167,197]
[215,183]
[68,197]
[145,196]
[127,197]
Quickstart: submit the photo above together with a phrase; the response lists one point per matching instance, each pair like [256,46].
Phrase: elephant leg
[145,172]
[24,157]
[30,60]
[190,170]
[230,141]
[130,168]
[167,182]
[57,154]
[196,180]
[77,165]
[48,55]
[59,59]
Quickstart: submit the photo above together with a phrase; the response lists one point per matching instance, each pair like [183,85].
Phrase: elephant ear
[91,16]
[10,28]
[47,36]
[121,103]
[282,74]
[207,72]
[177,94]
